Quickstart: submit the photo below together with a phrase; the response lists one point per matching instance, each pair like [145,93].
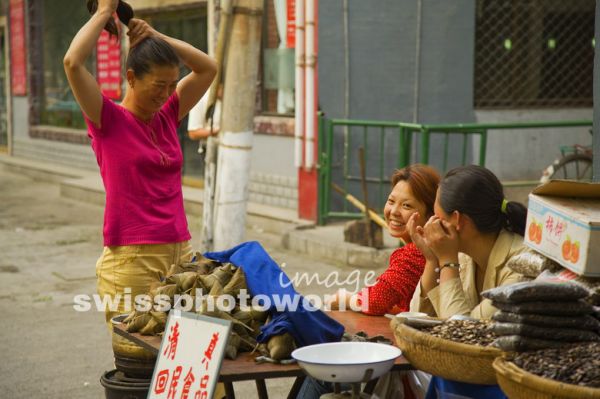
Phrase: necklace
[147,126]
[164,159]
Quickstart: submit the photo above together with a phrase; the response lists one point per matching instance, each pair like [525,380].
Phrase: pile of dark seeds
[473,332]
[577,364]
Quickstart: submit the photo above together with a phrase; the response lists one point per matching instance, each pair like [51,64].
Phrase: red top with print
[395,287]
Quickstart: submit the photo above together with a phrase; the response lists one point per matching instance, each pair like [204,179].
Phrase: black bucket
[135,368]
[118,386]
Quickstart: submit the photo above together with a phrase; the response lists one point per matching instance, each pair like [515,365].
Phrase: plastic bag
[573,308]
[530,291]
[531,264]
[584,322]
[549,333]
[516,343]
[591,285]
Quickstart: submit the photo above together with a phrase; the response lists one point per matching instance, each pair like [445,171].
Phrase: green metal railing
[414,145]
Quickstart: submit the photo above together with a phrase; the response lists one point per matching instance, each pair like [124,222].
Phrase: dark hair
[124,12]
[151,51]
[477,192]
[423,181]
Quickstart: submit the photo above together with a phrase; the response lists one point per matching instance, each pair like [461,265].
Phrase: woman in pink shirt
[138,151]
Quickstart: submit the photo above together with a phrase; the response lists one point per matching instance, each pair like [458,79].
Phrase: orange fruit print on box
[534,232]
[570,250]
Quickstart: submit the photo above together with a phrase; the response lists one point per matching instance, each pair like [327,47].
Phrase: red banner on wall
[108,65]
[18,59]
[291,24]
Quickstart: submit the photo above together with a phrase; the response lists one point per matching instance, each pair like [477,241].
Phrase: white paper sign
[190,357]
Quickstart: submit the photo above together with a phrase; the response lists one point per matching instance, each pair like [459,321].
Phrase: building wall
[523,154]
[20,121]
[273,177]
[401,72]
[446,63]
[382,51]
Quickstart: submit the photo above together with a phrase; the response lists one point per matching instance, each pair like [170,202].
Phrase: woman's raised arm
[82,82]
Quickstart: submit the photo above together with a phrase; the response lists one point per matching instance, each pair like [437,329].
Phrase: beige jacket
[460,296]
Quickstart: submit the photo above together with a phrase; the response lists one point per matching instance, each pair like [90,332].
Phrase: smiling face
[401,204]
[153,89]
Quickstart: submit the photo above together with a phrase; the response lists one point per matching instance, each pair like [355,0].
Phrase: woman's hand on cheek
[417,235]
[442,238]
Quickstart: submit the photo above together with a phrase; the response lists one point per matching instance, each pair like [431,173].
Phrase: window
[534,53]
[60,21]
[277,62]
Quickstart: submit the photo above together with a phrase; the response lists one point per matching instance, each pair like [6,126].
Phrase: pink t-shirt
[140,163]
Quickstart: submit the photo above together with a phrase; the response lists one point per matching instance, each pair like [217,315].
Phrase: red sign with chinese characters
[191,353]
[18,59]
[108,65]
[291,24]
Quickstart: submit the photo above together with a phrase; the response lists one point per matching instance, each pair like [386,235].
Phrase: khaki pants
[137,267]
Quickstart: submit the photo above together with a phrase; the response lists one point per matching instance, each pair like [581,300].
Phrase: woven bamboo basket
[444,358]
[520,384]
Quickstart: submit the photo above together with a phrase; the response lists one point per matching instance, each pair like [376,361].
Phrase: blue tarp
[265,277]
[440,388]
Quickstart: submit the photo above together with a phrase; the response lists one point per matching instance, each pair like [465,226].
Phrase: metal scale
[346,363]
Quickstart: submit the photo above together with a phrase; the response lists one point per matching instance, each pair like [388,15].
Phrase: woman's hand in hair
[108,5]
[417,235]
[139,30]
[442,238]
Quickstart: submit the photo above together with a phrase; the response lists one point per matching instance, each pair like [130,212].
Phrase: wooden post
[363,181]
[237,128]
[210,159]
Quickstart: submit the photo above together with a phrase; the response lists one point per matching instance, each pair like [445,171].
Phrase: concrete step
[37,170]
[327,243]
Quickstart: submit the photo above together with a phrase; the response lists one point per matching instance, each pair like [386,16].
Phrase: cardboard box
[563,223]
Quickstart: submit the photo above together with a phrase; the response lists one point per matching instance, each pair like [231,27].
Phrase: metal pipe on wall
[596,136]
[299,77]
[416,86]
[346,65]
[7,93]
[309,159]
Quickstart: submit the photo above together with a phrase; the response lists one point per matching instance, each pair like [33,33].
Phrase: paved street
[49,246]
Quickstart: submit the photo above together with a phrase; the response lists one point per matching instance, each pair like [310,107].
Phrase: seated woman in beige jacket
[467,243]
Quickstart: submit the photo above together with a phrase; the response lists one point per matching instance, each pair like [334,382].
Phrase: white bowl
[419,315]
[346,361]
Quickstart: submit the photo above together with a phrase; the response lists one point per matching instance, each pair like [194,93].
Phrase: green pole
[425,146]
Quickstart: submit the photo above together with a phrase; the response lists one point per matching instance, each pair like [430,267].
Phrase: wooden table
[244,368]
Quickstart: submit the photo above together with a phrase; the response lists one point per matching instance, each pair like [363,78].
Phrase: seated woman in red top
[413,191]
